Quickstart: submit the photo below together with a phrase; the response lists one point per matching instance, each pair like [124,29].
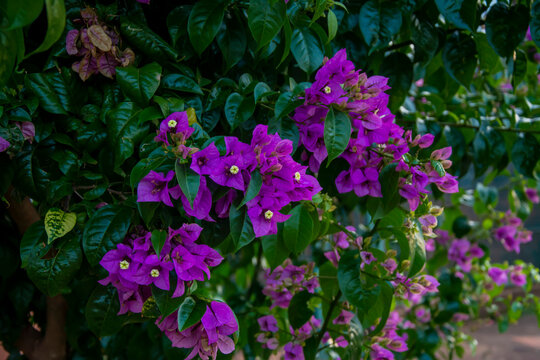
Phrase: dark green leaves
[54,91]
[525,154]
[489,60]
[106,228]
[164,300]
[241,228]
[274,248]
[337,132]
[53,274]
[306,50]
[17,16]
[299,312]
[506,27]
[181,83]
[139,84]
[204,22]
[232,42]
[399,69]
[379,22]
[101,312]
[461,13]
[535,22]
[238,109]
[265,19]
[418,253]
[298,229]
[253,188]
[190,312]
[188,180]
[158,240]
[56,20]
[350,283]
[459,58]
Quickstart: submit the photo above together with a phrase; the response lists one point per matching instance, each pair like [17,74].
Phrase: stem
[327,318]
[470,126]
[255,272]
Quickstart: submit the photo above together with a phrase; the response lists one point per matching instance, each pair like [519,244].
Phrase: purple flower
[119,261]
[218,321]
[268,323]
[154,187]
[380,353]
[206,161]
[265,219]
[154,271]
[4,144]
[202,203]
[344,318]
[517,277]
[28,130]
[532,195]
[177,125]
[223,204]
[499,276]
[293,352]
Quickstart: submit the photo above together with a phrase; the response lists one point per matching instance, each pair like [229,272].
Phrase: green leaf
[17,16]
[204,22]
[261,90]
[124,130]
[190,312]
[388,179]
[146,41]
[438,167]
[298,310]
[286,103]
[519,68]
[525,154]
[459,58]
[105,229]
[8,54]
[58,223]
[232,42]
[535,22]
[489,60]
[418,255]
[265,19]
[379,22]
[426,38]
[351,285]
[139,84]
[41,85]
[287,35]
[306,49]
[144,166]
[332,25]
[238,109]
[381,310]
[461,13]
[188,180]
[158,240]
[274,248]
[506,27]
[52,275]
[241,228]
[337,132]
[253,188]
[298,229]
[33,240]
[101,312]
[164,300]
[56,20]
[327,279]
[181,83]
[399,69]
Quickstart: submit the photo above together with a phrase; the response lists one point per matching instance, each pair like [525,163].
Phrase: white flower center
[327,89]
[268,214]
[154,273]
[172,123]
[124,264]
[297,176]
[234,170]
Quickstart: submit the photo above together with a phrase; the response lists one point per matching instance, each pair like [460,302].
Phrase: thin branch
[327,318]
[476,127]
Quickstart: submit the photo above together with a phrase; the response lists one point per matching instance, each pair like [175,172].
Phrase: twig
[327,318]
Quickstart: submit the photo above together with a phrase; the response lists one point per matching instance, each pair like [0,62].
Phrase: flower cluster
[375,140]
[463,252]
[283,180]
[134,265]
[286,280]
[413,289]
[206,336]
[389,340]
[24,128]
[500,276]
[512,233]
[98,45]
